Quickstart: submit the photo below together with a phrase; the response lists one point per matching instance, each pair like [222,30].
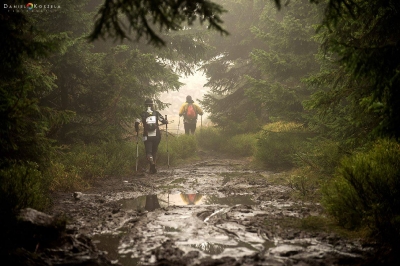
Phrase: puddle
[153,202]
[110,243]
[183,226]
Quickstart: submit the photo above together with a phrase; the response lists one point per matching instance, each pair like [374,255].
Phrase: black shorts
[151,145]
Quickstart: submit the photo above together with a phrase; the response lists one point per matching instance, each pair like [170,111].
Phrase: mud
[213,212]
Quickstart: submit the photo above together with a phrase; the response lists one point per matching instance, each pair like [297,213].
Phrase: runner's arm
[161,119]
[182,110]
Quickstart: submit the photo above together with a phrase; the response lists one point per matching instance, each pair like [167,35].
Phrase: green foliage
[104,90]
[366,191]
[210,138]
[241,144]
[305,183]
[229,63]
[104,84]
[289,56]
[278,144]
[216,139]
[25,148]
[315,223]
[259,69]
[320,155]
[65,178]
[25,78]
[180,148]
[250,124]
[22,185]
[81,165]
[275,149]
[166,15]
[91,161]
[111,96]
[340,107]
[76,168]
[362,38]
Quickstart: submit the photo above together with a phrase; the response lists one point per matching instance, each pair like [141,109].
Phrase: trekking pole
[177,131]
[137,149]
[166,130]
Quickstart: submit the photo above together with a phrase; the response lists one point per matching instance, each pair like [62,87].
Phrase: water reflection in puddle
[152,202]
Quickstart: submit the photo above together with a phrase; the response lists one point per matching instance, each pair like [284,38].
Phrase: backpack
[151,121]
[190,112]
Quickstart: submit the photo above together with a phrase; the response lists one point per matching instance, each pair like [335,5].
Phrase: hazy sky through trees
[194,87]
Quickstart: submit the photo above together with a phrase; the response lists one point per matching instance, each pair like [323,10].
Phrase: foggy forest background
[309,89]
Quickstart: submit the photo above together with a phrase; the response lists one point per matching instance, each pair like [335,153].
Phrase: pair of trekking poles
[137,144]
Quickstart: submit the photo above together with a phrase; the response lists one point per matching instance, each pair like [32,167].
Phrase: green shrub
[322,155]
[241,145]
[211,138]
[305,183]
[115,158]
[216,139]
[251,124]
[65,180]
[180,148]
[77,167]
[366,191]
[22,185]
[278,144]
[232,125]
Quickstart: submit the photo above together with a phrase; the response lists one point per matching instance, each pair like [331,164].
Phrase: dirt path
[215,212]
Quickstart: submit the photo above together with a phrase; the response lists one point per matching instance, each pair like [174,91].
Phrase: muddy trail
[216,211]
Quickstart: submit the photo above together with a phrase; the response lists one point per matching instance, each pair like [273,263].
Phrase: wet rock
[291,235]
[37,227]
[77,195]
[286,250]
[115,210]
[43,240]
[133,220]
[203,215]
[252,229]
[168,254]
[100,200]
